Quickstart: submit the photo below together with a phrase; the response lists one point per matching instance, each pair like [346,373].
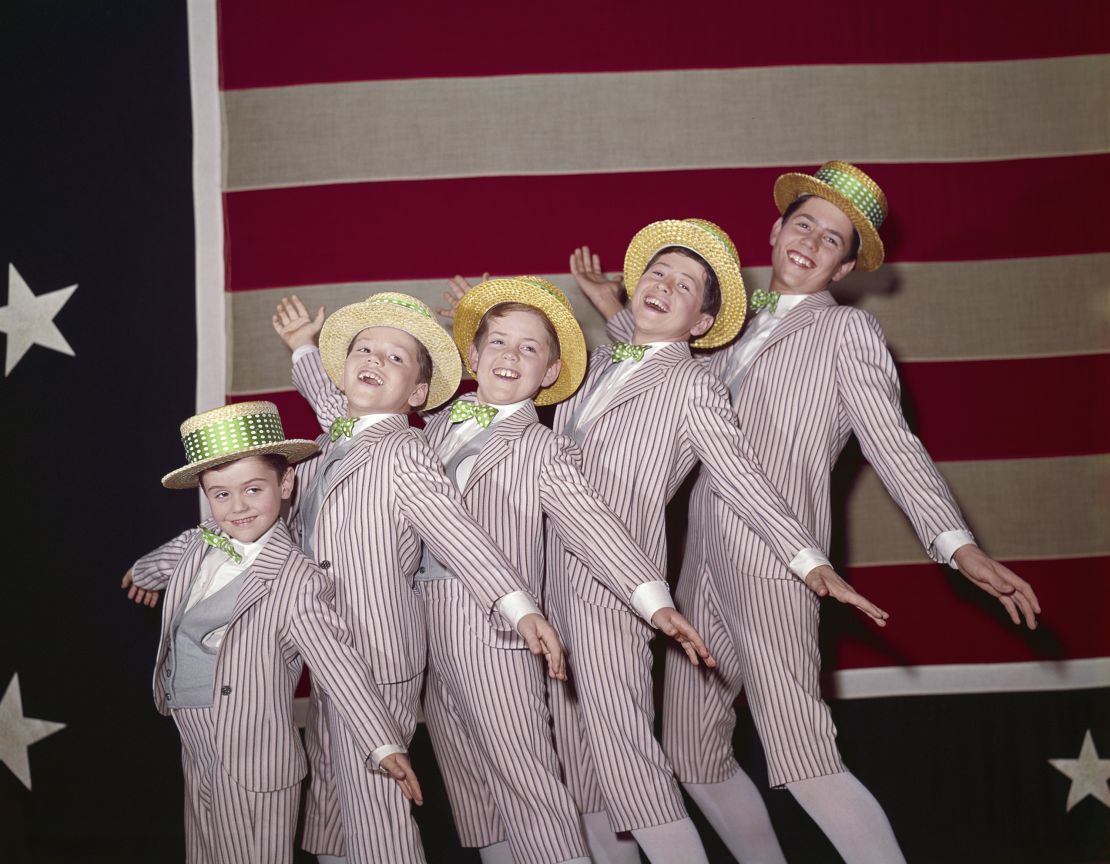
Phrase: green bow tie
[342,427]
[769,299]
[624,351]
[221,543]
[463,410]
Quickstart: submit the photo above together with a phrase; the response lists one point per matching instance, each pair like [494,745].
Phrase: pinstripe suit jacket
[523,472]
[388,493]
[283,614]
[669,414]
[824,373]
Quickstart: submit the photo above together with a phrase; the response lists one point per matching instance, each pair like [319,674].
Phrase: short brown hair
[277,463]
[711,300]
[503,309]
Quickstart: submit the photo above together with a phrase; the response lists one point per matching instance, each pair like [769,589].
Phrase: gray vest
[575,428]
[190,664]
[314,494]
[431,568]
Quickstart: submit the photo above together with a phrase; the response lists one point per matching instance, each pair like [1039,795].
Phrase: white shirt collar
[368,420]
[250,551]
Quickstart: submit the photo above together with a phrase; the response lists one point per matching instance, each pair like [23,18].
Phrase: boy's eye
[253,490]
[529,348]
[831,240]
[801,223]
[396,358]
[496,341]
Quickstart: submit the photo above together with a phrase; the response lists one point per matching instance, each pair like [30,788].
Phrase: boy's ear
[843,270]
[552,373]
[775,230]
[287,480]
[702,325]
[472,357]
[418,396]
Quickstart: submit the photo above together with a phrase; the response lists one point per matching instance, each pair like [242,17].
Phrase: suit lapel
[190,564]
[801,316]
[365,440]
[258,578]
[651,373]
[501,441]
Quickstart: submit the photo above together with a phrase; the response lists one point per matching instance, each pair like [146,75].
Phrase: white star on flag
[17,732]
[1088,774]
[29,320]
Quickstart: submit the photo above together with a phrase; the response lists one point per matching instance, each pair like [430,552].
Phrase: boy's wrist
[302,350]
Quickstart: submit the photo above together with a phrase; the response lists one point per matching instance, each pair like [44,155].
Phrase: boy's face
[807,250]
[514,362]
[245,496]
[381,373]
[667,302]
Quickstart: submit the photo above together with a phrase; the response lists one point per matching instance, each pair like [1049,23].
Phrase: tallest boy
[806,374]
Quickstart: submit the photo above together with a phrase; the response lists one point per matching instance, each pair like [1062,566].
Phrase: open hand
[824,581]
[398,766]
[673,623]
[603,292]
[294,325]
[542,639]
[456,288]
[998,580]
[139,595]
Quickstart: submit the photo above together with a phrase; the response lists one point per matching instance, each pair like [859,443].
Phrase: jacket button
[324,565]
[225,690]
[421,570]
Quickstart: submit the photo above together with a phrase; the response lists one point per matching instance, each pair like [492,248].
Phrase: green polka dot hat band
[229,433]
[852,191]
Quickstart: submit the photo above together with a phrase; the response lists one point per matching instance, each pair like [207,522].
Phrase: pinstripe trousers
[226,823]
[486,711]
[763,633]
[352,810]
[604,723]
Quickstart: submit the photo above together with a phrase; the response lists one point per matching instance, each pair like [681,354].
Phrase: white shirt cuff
[946,544]
[515,606]
[650,597]
[806,560]
[381,752]
[298,353]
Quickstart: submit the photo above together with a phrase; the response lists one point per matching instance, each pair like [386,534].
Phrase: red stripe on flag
[265,43]
[973,410]
[938,617]
[1008,409]
[436,228]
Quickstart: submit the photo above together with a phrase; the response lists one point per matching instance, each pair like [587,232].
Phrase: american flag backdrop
[341,148]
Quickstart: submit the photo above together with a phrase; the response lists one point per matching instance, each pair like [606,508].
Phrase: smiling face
[809,248]
[667,303]
[246,495]
[382,373]
[513,361]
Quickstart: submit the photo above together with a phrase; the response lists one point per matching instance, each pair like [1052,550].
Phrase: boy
[829,374]
[646,414]
[376,491]
[484,701]
[243,606]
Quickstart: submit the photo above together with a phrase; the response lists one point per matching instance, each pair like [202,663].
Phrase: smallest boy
[243,606]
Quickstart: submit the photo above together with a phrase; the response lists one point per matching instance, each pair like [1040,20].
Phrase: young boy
[822,371]
[645,415]
[376,491]
[243,607]
[485,699]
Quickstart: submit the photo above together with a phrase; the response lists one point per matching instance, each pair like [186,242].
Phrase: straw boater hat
[711,243]
[852,191]
[402,312]
[547,299]
[233,432]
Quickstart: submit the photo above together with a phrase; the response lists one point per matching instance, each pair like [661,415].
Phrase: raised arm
[300,333]
[867,382]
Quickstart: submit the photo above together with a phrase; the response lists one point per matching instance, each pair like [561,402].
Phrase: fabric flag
[369,152]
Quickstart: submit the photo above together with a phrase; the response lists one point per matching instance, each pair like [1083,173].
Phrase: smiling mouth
[507,374]
[369,376]
[656,304]
[242,523]
[800,260]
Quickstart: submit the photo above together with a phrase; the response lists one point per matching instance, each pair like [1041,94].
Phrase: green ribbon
[854,190]
[232,435]
[623,351]
[769,299]
[220,542]
[341,427]
[397,301]
[481,414]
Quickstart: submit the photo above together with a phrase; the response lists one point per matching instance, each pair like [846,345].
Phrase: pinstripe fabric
[669,414]
[824,373]
[225,823]
[283,614]
[388,493]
